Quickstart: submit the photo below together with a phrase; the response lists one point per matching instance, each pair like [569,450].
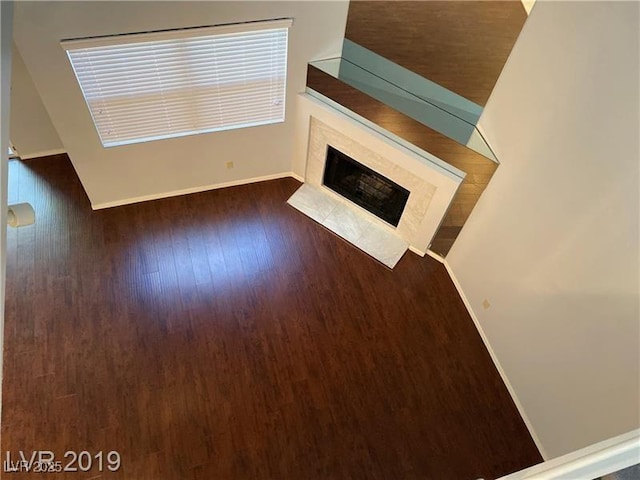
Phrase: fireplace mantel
[431,183]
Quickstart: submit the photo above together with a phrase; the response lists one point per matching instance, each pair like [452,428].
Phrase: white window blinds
[152,86]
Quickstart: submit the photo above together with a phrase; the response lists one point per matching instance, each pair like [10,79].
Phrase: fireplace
[364,187]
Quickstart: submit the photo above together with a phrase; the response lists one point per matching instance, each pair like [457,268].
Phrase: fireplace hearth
[364,187]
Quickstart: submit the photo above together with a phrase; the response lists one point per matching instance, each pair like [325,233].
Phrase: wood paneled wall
[461,45]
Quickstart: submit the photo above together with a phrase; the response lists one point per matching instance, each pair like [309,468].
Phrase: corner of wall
[31,129]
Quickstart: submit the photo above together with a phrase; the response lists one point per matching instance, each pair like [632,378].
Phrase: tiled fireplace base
[350,222]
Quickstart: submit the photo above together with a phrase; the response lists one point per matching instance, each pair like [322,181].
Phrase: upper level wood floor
[461,45]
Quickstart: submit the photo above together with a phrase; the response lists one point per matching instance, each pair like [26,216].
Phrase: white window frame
[151,86]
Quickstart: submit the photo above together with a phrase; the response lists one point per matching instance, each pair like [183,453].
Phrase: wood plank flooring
[224,335]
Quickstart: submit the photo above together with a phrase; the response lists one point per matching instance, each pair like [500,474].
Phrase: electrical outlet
[229,165]
[485,304]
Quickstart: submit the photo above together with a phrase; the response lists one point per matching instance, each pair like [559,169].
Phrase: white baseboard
[186,191]
[416,251]
[594,461]
[300,178]
[496,362]
[435,256]
[45,153]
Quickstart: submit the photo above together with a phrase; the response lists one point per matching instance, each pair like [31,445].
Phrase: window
[151,86]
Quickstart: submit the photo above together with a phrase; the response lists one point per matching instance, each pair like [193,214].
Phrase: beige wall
[31,130]
[553,243]
[127,173]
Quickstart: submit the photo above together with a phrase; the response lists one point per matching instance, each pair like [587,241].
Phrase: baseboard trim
[496,362]
[300,178]
[435,256]
[45,153]
[416,251]
[187,191]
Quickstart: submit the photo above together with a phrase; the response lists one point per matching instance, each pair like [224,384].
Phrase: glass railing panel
[409,81]
[418,98]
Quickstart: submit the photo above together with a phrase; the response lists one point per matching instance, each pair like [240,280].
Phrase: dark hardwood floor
[224,335]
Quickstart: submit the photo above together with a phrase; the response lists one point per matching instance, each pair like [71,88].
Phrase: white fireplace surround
[430,183]
[421,191]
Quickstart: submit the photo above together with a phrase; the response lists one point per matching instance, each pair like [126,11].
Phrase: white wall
[31,130]
[6,14]
[553,242]
[123,174]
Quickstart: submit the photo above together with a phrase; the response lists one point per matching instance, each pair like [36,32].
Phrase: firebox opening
[364,187]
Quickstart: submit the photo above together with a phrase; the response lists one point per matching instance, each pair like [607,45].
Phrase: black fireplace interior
[363,186]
